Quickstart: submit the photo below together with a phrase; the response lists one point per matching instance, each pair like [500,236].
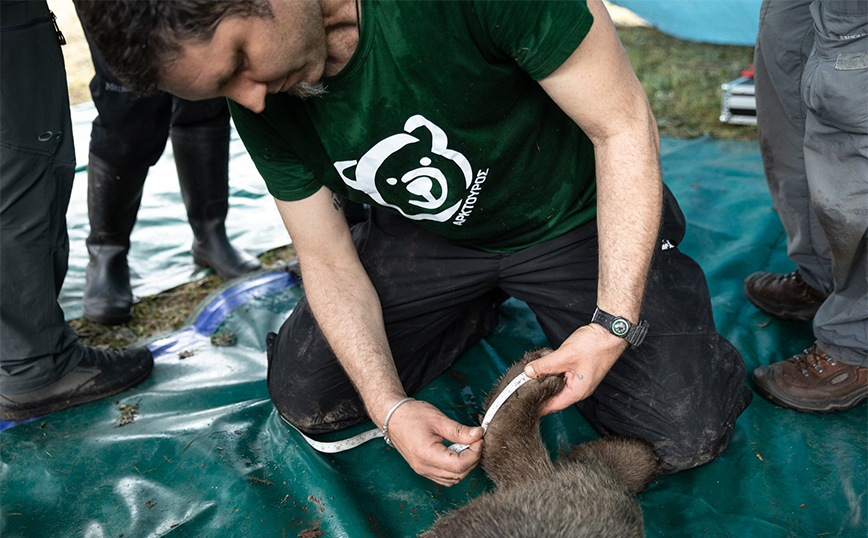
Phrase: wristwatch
[633,334]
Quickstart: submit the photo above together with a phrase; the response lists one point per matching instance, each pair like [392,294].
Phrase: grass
[682,80]
[165,311]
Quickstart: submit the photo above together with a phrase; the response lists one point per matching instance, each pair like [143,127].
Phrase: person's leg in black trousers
[682,389]
[684,386]
[438,300]
[43,366]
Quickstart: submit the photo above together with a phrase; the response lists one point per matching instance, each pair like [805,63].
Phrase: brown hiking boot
[783,296]
[812,382]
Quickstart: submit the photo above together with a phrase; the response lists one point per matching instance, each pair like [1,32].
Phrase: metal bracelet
[388,416]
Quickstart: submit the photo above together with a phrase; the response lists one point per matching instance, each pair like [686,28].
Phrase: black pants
[130,132]
[682,389]
[37,167]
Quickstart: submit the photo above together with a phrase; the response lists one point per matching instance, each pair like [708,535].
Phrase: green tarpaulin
[207,455]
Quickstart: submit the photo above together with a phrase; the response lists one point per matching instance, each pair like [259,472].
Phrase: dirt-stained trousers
[811,77]
[682,389]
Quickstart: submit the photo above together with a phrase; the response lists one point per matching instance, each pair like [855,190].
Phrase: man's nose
[250,95]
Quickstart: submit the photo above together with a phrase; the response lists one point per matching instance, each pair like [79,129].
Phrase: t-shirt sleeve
[286,175]
[540,35]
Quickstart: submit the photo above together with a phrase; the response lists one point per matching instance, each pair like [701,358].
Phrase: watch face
[620,327]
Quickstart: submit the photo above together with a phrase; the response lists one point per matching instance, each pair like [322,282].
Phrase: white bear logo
[425,187]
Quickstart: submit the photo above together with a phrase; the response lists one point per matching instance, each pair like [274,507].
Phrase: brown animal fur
[588,492]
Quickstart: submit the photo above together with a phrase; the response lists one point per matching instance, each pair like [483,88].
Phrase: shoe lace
[805,290]
[810,358]
[799,282]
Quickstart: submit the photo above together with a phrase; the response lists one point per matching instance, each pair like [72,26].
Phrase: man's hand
[585,358]
[417,429]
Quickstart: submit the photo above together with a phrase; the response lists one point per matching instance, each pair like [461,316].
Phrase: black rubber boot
[202,160]
[113,198]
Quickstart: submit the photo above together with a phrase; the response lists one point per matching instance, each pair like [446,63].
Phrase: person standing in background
[811,76]
[43,366]
[128,137]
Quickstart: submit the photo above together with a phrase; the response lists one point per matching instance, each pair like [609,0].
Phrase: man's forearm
[348,311]
[629,197]
[598,89]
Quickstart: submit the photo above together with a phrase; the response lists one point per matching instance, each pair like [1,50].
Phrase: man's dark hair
[136,38]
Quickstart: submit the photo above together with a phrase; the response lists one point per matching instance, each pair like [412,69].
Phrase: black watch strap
[633,334]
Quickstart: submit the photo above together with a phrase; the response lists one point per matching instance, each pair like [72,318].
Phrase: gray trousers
[37,166]
[811,76]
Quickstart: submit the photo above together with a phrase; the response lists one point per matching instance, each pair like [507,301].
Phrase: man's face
[249,57]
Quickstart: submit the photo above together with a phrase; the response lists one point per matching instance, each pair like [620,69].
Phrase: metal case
[738,105]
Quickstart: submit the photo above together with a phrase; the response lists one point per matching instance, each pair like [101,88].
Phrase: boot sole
[107,319]
[62,405]
[822,407]
[203,262]
[780,310]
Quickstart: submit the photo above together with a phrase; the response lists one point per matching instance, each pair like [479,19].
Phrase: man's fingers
[419,436]
[455,432]
[444,481]
[553,363]
[465,435]
[451,467]
[455,464]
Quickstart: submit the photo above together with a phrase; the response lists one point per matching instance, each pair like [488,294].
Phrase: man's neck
[341,21]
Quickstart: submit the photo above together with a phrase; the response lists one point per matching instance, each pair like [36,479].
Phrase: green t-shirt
[438,116]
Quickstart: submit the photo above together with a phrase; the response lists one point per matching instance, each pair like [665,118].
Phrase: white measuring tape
[510,389]
[331,447]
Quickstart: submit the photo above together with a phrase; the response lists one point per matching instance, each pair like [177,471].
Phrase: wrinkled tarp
[724,22]
[207,455]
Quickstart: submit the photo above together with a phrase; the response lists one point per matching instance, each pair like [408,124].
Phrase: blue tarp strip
[724,22]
